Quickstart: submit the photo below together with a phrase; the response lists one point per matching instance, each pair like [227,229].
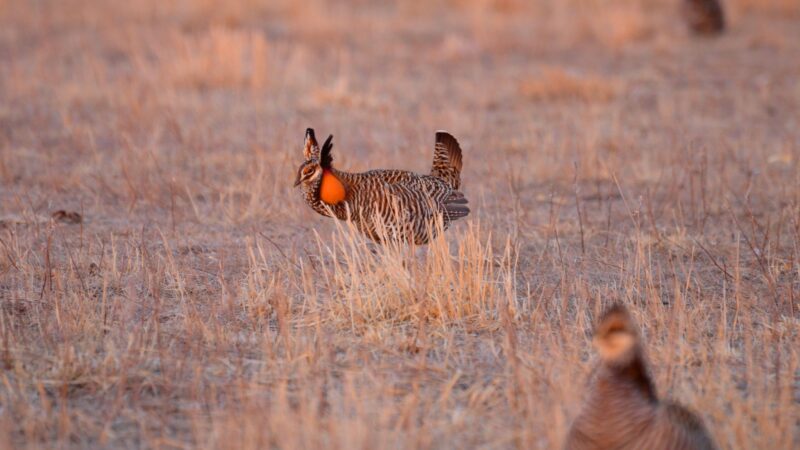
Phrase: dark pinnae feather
[325,157]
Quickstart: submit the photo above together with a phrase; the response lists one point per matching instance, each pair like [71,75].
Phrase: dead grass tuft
[221,57]
[617,27]
[556,84]
[773,7]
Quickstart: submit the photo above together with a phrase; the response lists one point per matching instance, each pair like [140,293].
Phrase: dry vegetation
[161,284]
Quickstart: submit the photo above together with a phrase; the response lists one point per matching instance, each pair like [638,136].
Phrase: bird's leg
[415,257]
[373,248]
[421,255]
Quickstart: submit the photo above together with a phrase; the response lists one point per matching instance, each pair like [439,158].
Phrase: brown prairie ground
[608,156]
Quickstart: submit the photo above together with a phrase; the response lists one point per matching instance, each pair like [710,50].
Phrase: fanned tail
[447,159]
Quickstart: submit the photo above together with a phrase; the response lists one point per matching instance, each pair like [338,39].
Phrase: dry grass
[556,84]
[777,7]
[162,286]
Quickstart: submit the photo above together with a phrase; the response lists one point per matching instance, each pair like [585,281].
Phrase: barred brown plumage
[703,17]
[386,204]
[623,411]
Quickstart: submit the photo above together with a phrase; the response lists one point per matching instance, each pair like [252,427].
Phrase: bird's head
[310,171]
[616,337]
[316,174]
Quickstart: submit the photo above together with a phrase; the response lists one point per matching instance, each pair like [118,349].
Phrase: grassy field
[163,286]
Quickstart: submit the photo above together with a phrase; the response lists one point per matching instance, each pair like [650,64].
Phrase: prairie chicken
[623,410]
[703,16]
[386,204]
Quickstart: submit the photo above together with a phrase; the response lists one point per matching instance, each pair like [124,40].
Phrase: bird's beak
[297,180]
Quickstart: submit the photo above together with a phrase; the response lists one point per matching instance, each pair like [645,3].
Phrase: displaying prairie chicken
[386,204]
[623,410]
[703,16]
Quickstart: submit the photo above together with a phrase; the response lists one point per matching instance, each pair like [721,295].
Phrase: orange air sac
[332,190]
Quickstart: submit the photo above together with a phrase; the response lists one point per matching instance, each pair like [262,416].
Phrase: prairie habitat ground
[163,286]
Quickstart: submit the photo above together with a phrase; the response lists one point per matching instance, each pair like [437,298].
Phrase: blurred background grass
[609,156]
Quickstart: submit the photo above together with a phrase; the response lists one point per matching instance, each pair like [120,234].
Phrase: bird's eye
[307,170]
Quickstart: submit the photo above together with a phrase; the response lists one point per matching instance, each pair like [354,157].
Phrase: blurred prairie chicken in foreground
[623,411]
[703,16]
[386,204]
